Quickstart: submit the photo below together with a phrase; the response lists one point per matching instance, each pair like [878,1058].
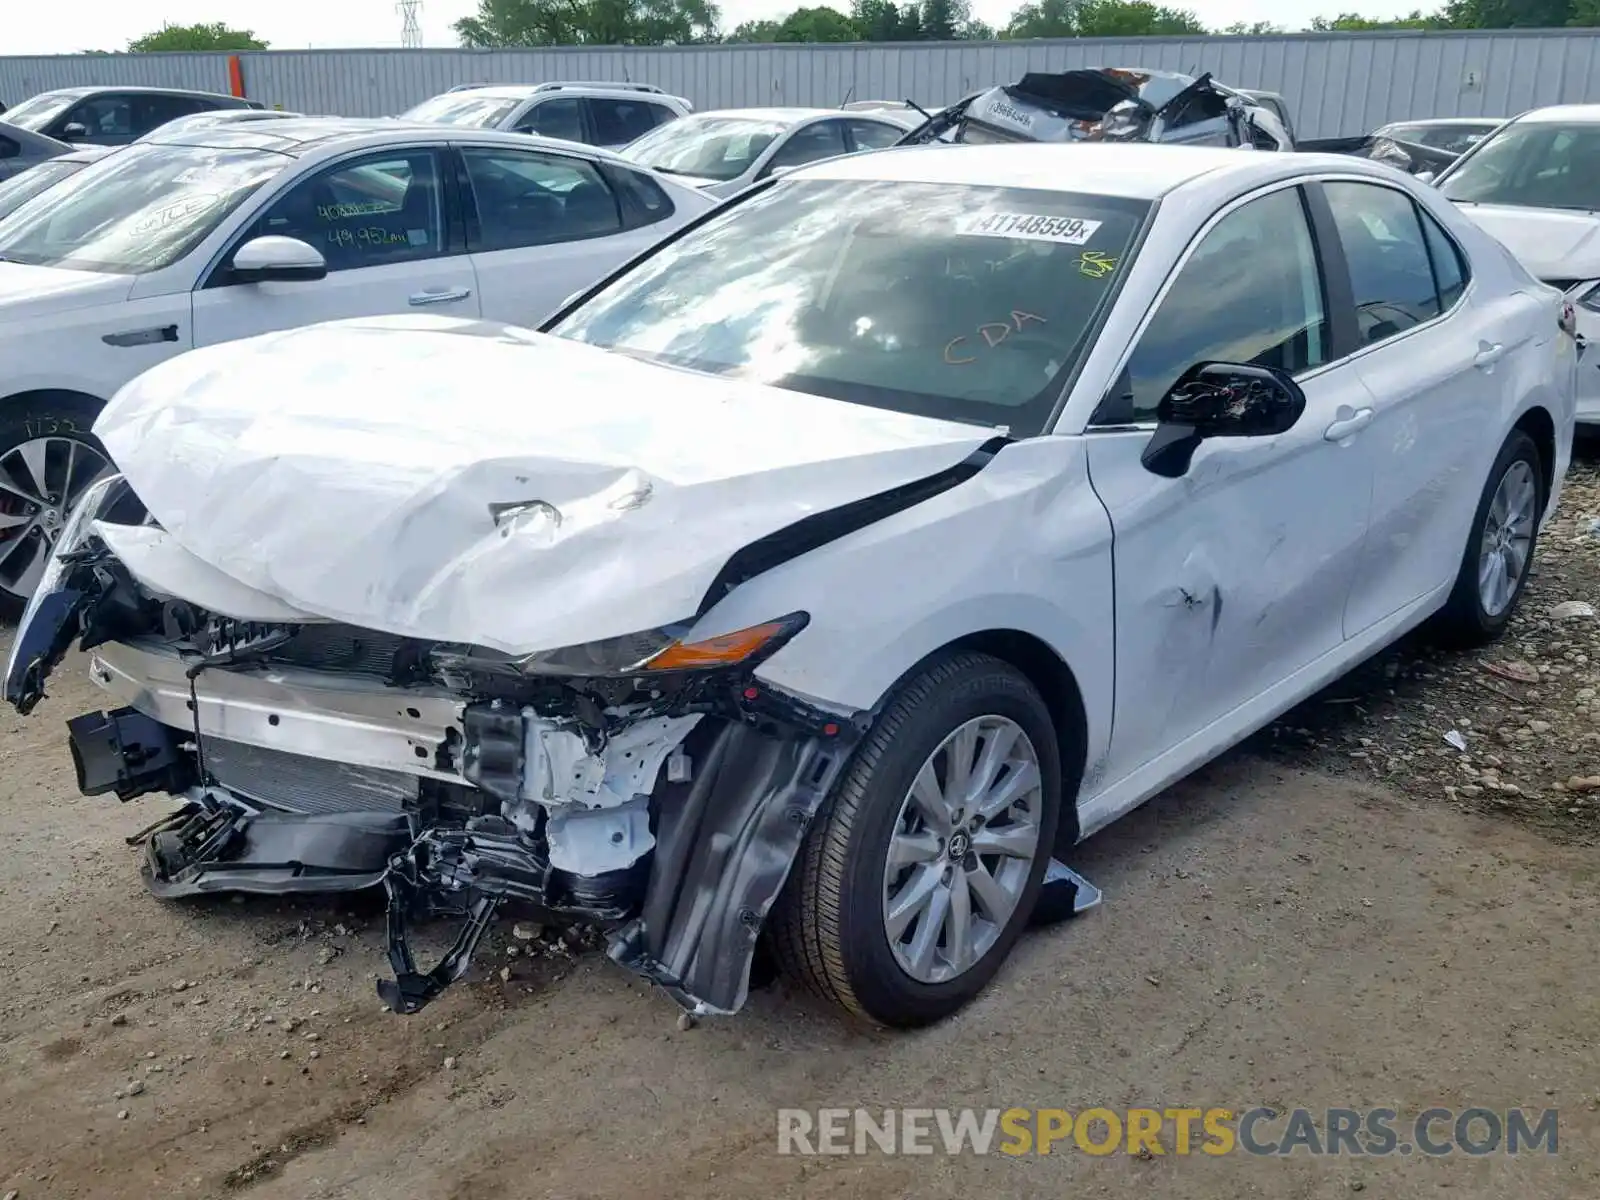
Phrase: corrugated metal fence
[1335,83]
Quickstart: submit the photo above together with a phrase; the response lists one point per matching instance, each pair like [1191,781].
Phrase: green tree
[1253,29]
[942,20]
[821,24]
[1509,14]
[1352,23]
[758,32]
[216,36]
[1101,18]
[589,22]
[885,21]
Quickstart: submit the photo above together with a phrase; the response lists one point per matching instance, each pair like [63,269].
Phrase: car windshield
[138,210]
[19,189]
[1455,139]
[1531,164]
[959,302]
[719,148]
[464,108]
[38,111]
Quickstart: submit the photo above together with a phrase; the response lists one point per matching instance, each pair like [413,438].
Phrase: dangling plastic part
[1065,894]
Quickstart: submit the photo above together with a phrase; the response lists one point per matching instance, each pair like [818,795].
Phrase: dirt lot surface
[1347,912]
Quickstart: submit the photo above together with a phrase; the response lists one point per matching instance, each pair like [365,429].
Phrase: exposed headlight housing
[653,651]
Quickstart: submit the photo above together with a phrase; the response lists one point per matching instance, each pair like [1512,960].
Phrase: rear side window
[560,117]
[874,135]
[108,116]
[644,201]
[526,198]
[151,112]
[1449,264]
[1391,268]
[618,122]
[825,139]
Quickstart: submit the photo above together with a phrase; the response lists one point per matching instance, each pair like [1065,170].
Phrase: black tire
[66,415]
[827,929]
[1464,622]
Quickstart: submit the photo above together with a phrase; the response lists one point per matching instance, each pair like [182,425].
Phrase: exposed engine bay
[665,810]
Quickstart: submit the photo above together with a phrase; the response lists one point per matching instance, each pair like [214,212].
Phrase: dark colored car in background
[21,149]
[113,116]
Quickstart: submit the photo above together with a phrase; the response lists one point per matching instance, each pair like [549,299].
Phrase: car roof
[298,136]
[142,91]
[788,115]
[1448,121]
[1136,171]
[1578,114]
[522,91]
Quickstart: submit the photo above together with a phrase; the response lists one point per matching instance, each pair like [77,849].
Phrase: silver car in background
[597,114]
[725,151]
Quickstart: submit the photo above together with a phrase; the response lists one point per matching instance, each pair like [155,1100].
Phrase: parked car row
[499,518]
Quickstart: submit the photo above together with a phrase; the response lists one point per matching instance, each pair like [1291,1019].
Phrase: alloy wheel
[40,480]
[1507,541]
[963,845]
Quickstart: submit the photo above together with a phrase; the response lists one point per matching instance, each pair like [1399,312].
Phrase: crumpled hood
[1551,243]
[39,291]
[353,470]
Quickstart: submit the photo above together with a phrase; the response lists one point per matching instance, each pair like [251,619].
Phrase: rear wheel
[921,874]
[1505,533]
[48,456]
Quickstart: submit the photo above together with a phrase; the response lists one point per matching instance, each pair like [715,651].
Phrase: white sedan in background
[825,572]
[198,236]
[725,151]
[1535,184]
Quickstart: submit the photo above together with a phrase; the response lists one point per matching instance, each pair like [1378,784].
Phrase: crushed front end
[646,785]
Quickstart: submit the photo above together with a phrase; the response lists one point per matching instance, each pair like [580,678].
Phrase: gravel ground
[1349,911]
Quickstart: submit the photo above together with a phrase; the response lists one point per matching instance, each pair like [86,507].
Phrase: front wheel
[48,457]
[921,874]
[1499,551]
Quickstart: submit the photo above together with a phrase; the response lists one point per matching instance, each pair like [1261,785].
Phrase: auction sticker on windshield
[1036,227]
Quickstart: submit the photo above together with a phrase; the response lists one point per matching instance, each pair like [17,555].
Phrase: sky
[35,28]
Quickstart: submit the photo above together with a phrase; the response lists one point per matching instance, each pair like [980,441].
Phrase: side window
[644,201]
[151,112]
[618,122]
[108,116]
[822,140]
[1449,265]
[525,198]
[1390,268]
[1250,293]
[370,211]
[874,135]
[558,117]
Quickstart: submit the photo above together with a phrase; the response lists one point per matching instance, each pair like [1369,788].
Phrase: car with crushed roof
[1110,104]
[818,580]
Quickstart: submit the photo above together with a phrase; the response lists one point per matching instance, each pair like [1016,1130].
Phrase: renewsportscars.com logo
[1147,1132]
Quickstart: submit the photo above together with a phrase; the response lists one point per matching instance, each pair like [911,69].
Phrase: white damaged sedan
[821,578]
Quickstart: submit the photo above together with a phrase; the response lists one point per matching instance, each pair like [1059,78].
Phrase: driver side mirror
[1213,400]
[282,259]
[74,130]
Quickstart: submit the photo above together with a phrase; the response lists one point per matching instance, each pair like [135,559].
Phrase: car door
[1434,365]
[386,225]
[556,117]
[107,119]
[1232,577]
[540,226]
[616,122]
[807,144]
[865,134]
[155,109]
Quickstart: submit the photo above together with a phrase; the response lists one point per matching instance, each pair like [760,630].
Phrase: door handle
[1348,426]
[446,296]
[1488,354]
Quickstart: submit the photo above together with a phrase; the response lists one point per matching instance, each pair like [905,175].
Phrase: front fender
[1024,545]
